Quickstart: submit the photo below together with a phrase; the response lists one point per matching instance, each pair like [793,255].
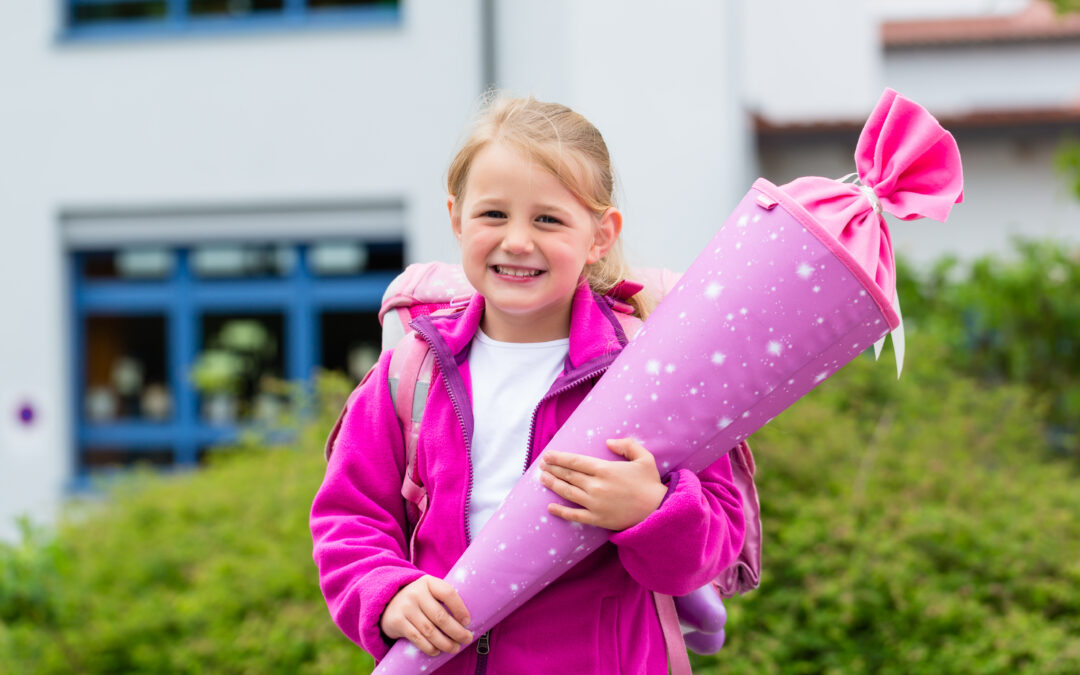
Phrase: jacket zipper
[483,648]
[483,645]
[550,395]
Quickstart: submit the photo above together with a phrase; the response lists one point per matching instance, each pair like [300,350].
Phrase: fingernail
[468,620]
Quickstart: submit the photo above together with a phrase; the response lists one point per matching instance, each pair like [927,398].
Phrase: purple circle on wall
[26,414]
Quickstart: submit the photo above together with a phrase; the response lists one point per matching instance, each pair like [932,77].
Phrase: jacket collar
[594,331]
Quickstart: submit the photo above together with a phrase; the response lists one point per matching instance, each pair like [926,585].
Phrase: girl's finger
[628,448]
[564,489]
[580,463]
[443,620]
[566,475]
[438,640]
[448,595]
[583,516]
[415,636]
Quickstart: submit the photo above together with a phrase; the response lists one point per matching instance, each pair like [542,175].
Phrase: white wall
[811,60]
[240,119]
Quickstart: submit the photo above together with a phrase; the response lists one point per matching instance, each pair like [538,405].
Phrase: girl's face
[525,239]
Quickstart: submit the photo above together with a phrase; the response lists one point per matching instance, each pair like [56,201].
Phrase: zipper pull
[483,645]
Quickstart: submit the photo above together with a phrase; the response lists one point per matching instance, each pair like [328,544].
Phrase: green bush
[910,527]
[1008,321]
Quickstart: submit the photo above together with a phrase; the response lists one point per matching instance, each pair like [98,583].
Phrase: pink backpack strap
[411,367]
[673,637]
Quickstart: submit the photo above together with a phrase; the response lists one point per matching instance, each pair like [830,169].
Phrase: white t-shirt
[508,381]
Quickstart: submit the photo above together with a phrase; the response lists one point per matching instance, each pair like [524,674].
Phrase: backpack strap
[673,637]
[411,368]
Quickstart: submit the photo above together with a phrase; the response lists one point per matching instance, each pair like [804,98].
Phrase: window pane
[125,372]
[243,260]
[318,4]
[119,10]
[129,264]
[350,341]
[239,373]
[236,8]
[385,256]
[337,258]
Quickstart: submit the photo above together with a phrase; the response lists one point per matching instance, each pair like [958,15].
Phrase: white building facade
[276,160]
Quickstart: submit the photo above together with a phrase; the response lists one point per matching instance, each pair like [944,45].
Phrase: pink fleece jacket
[599,617]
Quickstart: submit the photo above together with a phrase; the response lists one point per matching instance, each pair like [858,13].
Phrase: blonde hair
[569,147]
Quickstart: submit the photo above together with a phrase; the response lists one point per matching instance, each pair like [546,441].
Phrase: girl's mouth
[516,271]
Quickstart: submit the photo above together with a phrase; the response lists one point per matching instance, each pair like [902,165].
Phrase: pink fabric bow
[913,167]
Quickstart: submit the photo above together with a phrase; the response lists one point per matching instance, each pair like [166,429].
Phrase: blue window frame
[143,316]
[120,18]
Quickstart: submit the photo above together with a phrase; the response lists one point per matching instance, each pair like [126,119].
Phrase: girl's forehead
[499,163]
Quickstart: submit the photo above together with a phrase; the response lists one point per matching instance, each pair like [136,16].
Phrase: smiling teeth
[516,272]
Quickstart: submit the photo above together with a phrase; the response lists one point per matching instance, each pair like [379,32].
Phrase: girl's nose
[517,238]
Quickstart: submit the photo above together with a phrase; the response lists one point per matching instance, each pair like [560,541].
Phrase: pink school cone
[798,282]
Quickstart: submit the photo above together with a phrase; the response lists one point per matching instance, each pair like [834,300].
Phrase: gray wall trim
[111,227]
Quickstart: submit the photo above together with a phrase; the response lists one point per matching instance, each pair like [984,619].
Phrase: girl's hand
[430,614]
[611,493]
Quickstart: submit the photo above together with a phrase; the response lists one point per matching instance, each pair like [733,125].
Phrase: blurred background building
[195,194]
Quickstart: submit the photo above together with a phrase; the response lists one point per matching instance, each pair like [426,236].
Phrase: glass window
[88,13]
[235,8]
[239,371]
[322,4]
[129,264]
[243,260]
[125,375]
[164,367]
[188,13]
[337,258]
[385,256]
[350,341]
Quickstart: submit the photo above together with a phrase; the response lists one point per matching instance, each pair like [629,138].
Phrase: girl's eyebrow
[553,207]
[484,202]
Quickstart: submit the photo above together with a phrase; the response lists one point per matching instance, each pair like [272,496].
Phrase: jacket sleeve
[358,515]
[695,534]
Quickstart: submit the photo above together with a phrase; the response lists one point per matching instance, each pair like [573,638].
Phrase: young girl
[530,201]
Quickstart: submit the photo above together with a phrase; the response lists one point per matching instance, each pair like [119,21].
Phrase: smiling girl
[531,203]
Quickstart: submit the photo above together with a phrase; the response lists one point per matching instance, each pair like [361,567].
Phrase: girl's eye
[492,214]
[549,219]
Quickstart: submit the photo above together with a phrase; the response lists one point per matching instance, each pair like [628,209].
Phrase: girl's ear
[455,218]
[607,233]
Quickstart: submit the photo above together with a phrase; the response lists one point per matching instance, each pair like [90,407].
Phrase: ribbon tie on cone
[906,165]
